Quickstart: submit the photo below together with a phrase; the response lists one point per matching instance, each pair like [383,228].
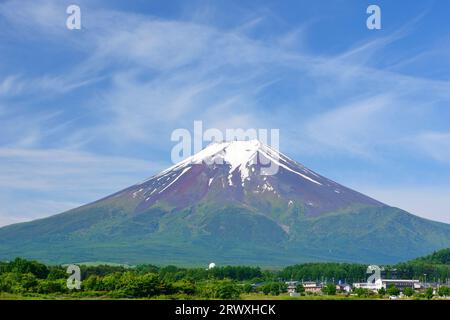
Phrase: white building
[377,285]
[386,283]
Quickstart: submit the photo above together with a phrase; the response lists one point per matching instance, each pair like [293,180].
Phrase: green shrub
[444,291]
[51,286]
[329,289]
[392,290]
[409,292]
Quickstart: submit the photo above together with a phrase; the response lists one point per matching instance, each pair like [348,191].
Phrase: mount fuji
[238,202]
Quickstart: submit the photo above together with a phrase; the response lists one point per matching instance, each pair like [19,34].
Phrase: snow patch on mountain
[174,180]
[241,157]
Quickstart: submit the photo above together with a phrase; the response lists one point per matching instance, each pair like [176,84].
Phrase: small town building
[312,286]
[400,283]
[292,288]
[386,283]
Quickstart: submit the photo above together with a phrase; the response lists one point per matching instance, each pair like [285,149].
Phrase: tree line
[21,276]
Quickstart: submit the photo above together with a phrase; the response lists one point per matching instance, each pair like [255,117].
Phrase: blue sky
[84,113]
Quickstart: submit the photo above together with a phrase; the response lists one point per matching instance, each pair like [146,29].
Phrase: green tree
[128,286]
[444,291]
[247,288]
[111,281]
[329,289]
[300,288]
[382,291]
[273,288]
[392,290]
[408,292]
[92,283]
[21,266]
[28,281]
[227,290]
[185,286]
[136,286]
[266,289]
[362,292]
[57,273]
[429,293]
[146,268]
[100,270]
[219,289]
[10,282]
[51,286]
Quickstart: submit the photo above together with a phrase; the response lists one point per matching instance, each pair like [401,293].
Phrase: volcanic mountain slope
[237,202]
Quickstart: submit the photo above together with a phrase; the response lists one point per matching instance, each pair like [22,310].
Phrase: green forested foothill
[25,277]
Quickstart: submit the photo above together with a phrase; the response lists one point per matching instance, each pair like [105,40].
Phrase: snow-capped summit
[240,171]
[235,153]
[238,155]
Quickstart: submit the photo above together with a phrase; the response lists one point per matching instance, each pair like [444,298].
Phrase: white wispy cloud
[67,170]
[353,128]
[38,182]
[434,144]
[10,86]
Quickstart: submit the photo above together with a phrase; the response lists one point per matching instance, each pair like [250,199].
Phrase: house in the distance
[312,286]
[292,288]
